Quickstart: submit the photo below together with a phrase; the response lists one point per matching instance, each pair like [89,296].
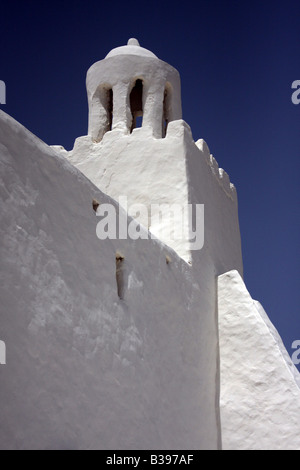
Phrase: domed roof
[132,48]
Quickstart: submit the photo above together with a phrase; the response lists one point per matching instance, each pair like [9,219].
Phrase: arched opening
[101,112]
[109,108]
[136,104]
[106,98]
[167,109]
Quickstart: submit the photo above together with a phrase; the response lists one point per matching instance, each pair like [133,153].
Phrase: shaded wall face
[208,186]
[260,398]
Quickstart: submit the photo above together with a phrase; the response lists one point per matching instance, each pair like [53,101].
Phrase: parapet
[220,175]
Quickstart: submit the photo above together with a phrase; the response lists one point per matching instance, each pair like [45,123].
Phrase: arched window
[102,111]
[167,108]
[106,98]
[109,108]
[136,104]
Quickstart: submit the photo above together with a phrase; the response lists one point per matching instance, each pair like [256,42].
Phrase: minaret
[132,82]
[138,146]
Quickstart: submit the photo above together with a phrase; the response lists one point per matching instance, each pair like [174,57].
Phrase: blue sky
[237,62]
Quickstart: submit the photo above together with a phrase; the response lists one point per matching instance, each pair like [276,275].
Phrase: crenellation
[224,181]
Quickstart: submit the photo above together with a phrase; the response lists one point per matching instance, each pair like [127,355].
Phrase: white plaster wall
[210,185]
[144,169]
[259,396]
[86,370]
[173,170]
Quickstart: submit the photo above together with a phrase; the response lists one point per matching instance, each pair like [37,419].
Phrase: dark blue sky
[237,62]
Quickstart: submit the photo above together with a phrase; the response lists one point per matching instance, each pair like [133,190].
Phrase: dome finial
[133,42]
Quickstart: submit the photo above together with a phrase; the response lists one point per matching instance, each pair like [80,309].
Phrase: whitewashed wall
[86,370]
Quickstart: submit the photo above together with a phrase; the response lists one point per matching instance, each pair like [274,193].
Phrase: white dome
[132,48]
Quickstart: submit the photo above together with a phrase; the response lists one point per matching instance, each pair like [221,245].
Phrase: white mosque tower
[157,162]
